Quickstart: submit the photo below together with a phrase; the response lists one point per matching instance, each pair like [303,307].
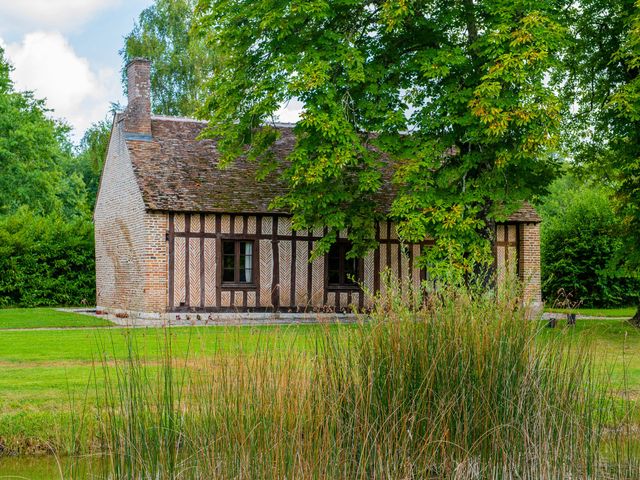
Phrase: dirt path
[563,316]
[243,322]
[201,323]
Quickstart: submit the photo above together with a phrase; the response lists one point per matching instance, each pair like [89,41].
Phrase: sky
[66,51]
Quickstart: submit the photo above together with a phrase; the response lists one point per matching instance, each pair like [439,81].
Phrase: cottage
[176,234]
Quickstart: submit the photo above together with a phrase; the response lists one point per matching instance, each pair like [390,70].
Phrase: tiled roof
[177,172]
[526,213]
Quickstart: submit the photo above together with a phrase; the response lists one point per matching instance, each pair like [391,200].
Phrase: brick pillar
[529,263]
[138,112]
[156,262]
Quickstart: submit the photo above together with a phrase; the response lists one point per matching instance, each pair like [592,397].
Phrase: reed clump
[454,387]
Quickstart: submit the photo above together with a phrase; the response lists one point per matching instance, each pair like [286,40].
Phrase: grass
[623,312]
[615,346]
[45,373]
[46,318]
[42,370]
[462,388]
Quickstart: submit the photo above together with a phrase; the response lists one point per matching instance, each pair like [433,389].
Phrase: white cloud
[45,63]
[51,14]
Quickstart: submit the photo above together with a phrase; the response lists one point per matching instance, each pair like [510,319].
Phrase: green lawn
[46,317]
[615,345]
[48,373]
[624,312]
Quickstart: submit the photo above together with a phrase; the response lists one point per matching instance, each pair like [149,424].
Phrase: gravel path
[191,320]
[563,316]
[240,320]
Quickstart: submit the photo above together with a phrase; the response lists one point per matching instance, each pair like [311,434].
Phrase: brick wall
[131,251]
[529,260]
[155,261]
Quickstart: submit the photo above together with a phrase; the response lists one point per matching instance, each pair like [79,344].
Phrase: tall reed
[457,387]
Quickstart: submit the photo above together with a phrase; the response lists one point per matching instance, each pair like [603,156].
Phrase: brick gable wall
[131,252]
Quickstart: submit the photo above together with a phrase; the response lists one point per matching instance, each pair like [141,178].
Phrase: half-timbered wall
[284,278]
[506,250]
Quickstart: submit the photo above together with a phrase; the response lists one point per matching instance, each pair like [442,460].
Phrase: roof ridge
[171,118]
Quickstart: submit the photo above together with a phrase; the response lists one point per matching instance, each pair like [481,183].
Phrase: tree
[452,97]
[604,82]
[91,156]
[581,241]
[33,151]
[46,235]
[163,35]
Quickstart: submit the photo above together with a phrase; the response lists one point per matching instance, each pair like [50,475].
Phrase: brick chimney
[138,112]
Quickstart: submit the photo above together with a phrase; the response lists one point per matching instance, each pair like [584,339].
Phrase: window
[237,261]
[342,271]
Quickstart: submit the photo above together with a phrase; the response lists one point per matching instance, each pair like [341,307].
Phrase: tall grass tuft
[141,421]
[456,387]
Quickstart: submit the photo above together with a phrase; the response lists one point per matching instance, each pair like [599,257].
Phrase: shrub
[580,244]
[45,260]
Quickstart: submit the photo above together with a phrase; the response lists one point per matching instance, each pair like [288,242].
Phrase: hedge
[46,261]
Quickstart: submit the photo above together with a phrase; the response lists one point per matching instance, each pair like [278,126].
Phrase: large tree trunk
[635,320]
[472,26]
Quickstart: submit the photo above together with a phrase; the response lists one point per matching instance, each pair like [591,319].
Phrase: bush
[580,243]
[46,261]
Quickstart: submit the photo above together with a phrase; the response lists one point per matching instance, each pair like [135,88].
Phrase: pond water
[48,467]
[45,467]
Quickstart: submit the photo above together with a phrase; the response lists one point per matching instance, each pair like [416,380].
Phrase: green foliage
[455,91]
[90,158]
[46,260]
[582,242]
[33,153]
[46,236]
[604,83]
[178,57]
